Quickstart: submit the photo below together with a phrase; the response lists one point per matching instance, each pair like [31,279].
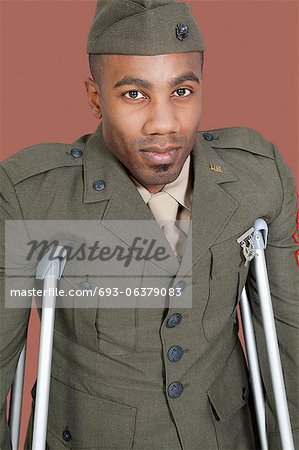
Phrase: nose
[161,119]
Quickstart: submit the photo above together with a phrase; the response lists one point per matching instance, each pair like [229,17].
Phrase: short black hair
[96,63]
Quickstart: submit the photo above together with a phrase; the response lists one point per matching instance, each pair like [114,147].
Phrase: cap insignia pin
[181,31]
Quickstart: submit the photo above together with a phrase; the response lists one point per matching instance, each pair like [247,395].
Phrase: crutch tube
[260,239]
[50,269]
[16,396]
[254,370]
[44,368]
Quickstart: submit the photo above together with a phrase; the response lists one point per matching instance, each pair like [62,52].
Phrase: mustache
[159,142]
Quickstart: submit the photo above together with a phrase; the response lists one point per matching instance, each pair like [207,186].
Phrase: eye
[182,92]
[134,95]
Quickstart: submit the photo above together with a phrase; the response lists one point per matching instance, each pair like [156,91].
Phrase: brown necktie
[164,208]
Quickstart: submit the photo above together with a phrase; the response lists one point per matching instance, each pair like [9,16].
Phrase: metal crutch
[16,397]
[259,242]
[49,269]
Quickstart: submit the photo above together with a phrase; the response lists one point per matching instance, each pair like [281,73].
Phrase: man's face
[150,107]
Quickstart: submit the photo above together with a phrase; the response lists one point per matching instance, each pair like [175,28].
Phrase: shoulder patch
[41,158]
[242,138]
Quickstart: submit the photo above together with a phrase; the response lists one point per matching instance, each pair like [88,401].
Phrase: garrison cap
[143,27]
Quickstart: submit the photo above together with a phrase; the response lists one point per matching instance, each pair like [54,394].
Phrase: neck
[155,189]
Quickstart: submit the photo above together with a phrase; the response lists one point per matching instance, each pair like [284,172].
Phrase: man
[172,377]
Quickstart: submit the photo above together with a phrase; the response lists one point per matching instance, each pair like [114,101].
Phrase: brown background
[250,79]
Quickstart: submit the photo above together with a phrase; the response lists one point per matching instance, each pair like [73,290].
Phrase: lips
[159,149]
[159,154]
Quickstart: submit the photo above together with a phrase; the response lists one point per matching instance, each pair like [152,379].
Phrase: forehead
[153,68]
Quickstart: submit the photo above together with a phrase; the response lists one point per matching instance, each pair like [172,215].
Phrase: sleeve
[13,321]
[283,279]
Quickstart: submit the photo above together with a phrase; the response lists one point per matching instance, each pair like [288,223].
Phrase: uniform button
[245,393]
[175,353]
[84,286]
[99,185]
[174,320]
[180,286]
[208,136]
[66,435]
[76,152]
[175,389]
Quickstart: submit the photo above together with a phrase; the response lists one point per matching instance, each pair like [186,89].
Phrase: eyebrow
[187,76]
[133,81]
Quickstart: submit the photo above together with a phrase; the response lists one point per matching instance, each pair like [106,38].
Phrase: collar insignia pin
[216,168]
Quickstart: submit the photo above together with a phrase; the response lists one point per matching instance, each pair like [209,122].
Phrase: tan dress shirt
[181,189]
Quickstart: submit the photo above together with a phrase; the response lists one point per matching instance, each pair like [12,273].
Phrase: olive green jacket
[111,372]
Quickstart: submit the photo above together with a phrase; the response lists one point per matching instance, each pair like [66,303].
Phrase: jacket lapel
[212,206]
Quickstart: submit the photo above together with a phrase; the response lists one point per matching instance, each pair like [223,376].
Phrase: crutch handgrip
[52,263]
[260,234]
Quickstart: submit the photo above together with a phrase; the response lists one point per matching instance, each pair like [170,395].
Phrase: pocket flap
[92,422]
[230,391]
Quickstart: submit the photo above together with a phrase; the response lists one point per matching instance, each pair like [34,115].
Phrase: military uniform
[173,378]
[160,378]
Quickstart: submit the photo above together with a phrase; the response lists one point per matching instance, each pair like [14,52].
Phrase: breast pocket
[224,287]
[104,315]
[116,320]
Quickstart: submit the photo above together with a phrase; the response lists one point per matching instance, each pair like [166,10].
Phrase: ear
[93,96]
